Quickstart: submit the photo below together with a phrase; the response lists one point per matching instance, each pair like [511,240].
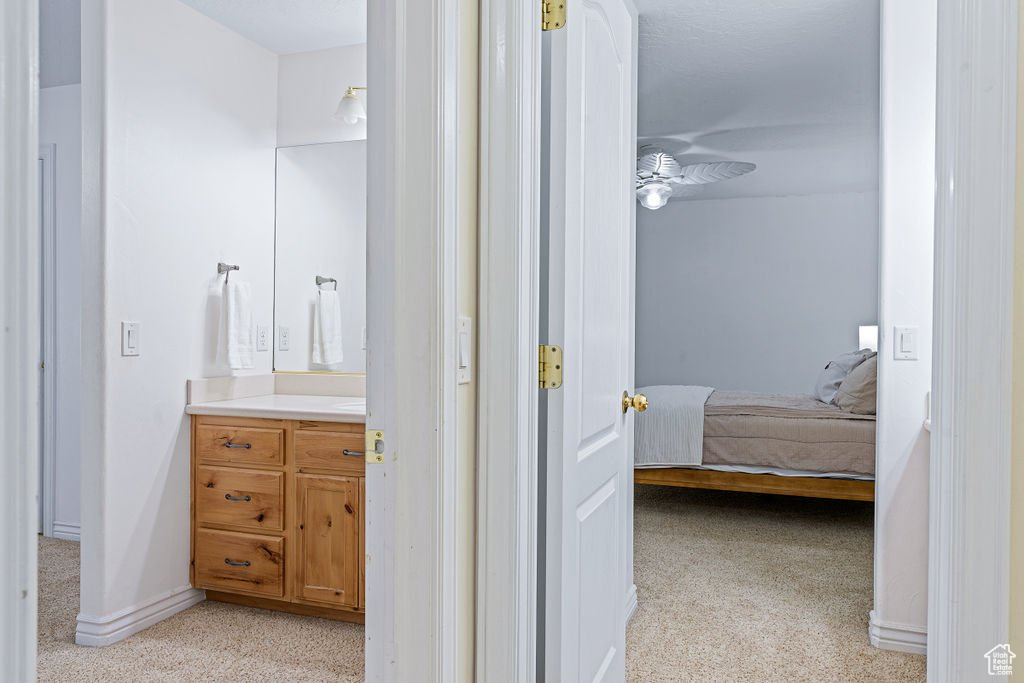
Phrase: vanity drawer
[244,563]
[341,451]
[243,498]
[240,445]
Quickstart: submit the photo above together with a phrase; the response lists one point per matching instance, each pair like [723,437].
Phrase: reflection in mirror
[320,258]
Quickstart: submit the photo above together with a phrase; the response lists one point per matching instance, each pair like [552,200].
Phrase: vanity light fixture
[350,109]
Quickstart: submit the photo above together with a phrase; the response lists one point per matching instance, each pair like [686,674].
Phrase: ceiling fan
[659,175]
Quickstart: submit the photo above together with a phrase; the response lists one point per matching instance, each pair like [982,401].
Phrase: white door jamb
[969,513]
[411,580]
[19,336]
[48,415]
[510,50]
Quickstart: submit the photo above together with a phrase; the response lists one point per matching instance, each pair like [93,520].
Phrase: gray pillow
[858,392]
[836,371]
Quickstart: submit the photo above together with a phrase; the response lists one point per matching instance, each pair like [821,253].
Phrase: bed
[789,444]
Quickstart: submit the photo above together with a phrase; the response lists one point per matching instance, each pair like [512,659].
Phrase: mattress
[786,432]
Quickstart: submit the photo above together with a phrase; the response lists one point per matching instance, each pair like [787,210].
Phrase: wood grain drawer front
[244,563]
[252,499]
[342,451]
[240,445]
[330,524]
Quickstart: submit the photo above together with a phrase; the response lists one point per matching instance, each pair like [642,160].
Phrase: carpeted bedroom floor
[732,587]
[749,587]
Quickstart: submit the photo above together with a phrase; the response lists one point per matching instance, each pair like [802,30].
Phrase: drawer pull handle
[243,499]
[358,454]
[236,563]
[237,445]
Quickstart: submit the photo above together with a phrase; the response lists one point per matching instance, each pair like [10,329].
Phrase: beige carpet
[733,587]
[211,641]
[746,587]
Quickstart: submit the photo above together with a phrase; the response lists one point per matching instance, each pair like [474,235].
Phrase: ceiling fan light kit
[658,175]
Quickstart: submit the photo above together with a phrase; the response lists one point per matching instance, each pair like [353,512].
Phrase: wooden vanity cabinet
[277,514]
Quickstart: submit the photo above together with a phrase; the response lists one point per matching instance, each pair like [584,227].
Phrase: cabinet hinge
[374,447]
[550,366]
[552,14]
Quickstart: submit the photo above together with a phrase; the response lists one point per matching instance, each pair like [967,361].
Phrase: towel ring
[225,270]
[321,280]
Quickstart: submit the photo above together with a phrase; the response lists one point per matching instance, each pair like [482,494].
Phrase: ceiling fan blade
[714,172]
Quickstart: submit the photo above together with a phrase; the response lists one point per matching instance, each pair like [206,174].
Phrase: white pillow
[836,371]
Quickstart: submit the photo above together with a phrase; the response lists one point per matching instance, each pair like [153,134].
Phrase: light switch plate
[262,337]
[464,375]
[129,339]
[283,338]
[905,342]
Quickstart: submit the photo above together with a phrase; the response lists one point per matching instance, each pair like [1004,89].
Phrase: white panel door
[590,69]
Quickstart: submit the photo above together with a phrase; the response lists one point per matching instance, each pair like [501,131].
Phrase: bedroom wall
[907,202]
[754,293]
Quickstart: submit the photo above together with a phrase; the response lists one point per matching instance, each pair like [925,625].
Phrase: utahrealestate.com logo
[1000,660]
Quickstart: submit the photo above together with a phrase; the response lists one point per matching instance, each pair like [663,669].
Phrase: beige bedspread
[787,431]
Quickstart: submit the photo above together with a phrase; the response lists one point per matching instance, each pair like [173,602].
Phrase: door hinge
[374,446]
[550,366]
[552,14]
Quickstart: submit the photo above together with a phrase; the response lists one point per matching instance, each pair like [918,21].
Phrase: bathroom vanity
[277,503]
[277,470]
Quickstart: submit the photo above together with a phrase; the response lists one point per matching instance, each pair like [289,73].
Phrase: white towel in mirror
[237,335]
[327,339]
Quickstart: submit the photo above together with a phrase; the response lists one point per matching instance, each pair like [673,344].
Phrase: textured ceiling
[791,85]
[288,26]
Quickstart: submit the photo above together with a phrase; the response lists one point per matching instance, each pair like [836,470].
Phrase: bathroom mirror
[320,238]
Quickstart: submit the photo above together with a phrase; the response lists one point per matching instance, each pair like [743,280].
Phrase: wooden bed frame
[809,487]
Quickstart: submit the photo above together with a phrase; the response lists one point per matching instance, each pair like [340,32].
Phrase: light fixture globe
[654,195]
[350,109]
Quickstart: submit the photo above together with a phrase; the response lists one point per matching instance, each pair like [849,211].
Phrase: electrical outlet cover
[262,338]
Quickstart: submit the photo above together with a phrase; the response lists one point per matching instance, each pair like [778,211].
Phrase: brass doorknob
[637,402]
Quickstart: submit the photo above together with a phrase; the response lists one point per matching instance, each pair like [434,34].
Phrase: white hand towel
[327,338]
[237,334]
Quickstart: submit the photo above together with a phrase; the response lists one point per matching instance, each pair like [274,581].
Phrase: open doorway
[225,146]
[757,346]
[777,308]
[60,210]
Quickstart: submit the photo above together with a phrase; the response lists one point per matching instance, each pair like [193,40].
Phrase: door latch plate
[374,447]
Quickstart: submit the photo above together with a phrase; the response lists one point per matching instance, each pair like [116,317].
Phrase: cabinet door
[329,525]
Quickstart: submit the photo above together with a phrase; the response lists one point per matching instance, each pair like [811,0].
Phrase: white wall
[321,230]
[60,123]
[754,293]
[907,238]
[310,86]
[187,109]
[60,42]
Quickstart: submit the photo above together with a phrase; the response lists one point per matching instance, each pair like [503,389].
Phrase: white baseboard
[67,532]
[97,631]
[899,637]
[631,603]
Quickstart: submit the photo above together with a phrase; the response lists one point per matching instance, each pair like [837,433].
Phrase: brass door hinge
[374,447]
[552,14]
[550,366]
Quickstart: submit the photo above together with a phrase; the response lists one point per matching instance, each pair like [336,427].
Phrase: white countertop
[286,407]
